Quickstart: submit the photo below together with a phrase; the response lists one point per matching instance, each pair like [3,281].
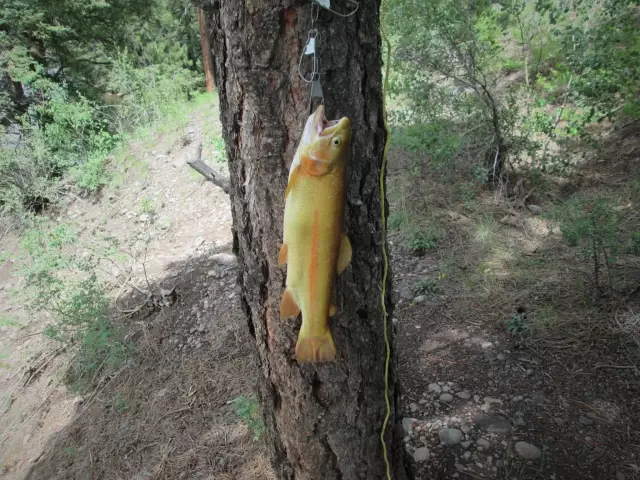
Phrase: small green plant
[8,321]
[517,325]
[146,205]
[219,149]
[248,410]
[428,286]
[486,231]
[421,241]
[62,281]
[593,225]
[396,220]
[120,403]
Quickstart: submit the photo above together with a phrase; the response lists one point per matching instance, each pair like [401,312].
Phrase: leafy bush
[595,226]
[579,63]
[62,281]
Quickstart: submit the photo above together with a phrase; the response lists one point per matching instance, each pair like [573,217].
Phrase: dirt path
[168,411]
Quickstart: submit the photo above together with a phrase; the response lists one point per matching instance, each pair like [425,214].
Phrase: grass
[248,409]
[9,321]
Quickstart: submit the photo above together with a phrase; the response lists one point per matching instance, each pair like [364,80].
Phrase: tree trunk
[323,420]
[207,61]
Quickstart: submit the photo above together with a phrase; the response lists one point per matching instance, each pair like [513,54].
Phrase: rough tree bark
[323,421]
[207,61]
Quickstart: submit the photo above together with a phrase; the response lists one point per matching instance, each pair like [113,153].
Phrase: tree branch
[206,171]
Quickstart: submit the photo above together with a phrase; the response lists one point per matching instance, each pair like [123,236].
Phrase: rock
[585,420]
[464,395]
[413,407]
[528,451]
[500,357]
[420,299]
[466,444]
[483,442]
[406,293]
[529,372]
[446,389]
[407,425]
[559,421]
[467,455]
[490,400]
[225,259]
[421,454]
[446,397]
[493,424]
[620,476]
[450,436]
[535,209]
[199,241]
[486,345]
[434,387]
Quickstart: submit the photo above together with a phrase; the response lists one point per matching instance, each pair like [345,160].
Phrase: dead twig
[207,172]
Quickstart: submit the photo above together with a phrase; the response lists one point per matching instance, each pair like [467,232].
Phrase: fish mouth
[323,127]
[332,126]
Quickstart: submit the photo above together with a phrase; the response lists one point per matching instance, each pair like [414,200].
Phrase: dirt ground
[480,401]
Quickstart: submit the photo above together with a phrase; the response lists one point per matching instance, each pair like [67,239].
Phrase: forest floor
[510,368]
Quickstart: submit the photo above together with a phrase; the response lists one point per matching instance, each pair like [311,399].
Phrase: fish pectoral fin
[344,256]
[315,349]
[292,181]
[332,310]
[282,255]
[288,306]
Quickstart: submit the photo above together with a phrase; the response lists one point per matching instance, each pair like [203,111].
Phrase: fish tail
[315,348]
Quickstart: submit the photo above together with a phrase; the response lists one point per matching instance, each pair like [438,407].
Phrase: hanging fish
[315,246]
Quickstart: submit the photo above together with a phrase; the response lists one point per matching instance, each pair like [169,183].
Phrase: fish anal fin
[332,310]
[315,349]
[344,256]
[288,306]
[282,255]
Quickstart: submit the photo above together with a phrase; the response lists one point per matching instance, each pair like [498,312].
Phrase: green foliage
[517,325]
[8,321]
[248,410]
[62,281]
[422,240]
[76,78]
[569,65]
[428,286]
[395,220]
[596,227]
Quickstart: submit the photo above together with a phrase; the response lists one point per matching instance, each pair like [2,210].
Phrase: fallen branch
[207,172]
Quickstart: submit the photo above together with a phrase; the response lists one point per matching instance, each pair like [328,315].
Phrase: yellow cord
[385,270]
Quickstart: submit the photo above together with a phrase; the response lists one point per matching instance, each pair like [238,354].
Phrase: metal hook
[326,4]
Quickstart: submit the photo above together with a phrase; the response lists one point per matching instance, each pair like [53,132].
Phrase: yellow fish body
[315,246]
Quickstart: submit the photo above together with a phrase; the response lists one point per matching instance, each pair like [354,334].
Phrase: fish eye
[336,141]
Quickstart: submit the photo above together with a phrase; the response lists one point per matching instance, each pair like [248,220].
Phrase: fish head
[329,149]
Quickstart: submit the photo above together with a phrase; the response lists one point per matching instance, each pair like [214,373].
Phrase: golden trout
[315,246]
